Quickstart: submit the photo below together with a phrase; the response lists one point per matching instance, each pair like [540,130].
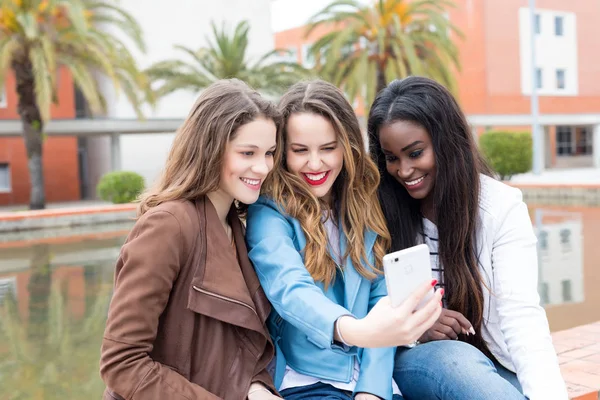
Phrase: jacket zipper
[218,296]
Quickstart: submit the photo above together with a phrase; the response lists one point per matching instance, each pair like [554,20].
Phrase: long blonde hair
[354,193]
[193,167]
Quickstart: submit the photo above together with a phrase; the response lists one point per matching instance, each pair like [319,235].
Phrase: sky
[287,14]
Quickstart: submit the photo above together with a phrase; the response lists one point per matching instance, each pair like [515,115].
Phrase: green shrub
[508,153]
[120,187]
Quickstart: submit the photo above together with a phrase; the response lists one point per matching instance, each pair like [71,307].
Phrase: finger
[448,331]
[424,318]
[429,322]
[452,323]
[437,335]
[412,301]
[464,322]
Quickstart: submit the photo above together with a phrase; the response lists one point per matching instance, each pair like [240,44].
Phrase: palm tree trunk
[32,129]
[381,82]
[40,283]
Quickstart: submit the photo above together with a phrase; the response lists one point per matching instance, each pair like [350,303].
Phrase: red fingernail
[441,292]
[434,282]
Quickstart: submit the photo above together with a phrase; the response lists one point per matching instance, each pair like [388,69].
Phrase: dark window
[558,26]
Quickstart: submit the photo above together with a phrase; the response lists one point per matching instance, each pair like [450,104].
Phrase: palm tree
[225,57]
[37,37]
[369,46]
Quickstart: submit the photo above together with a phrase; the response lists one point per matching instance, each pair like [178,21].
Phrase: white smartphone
[405,270]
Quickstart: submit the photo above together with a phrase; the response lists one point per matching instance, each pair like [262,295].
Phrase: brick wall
[61,169]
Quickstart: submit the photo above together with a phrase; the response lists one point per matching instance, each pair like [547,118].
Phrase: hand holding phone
[405,271]
[387,326]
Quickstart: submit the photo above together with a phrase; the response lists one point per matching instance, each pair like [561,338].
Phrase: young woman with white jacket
[492,339]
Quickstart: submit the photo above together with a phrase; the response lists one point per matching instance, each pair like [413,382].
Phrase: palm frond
[44,92]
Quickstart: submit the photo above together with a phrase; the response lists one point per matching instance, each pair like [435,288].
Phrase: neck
[428,210]
[222,203]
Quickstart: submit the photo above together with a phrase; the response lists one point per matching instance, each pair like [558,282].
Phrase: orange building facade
[60,162]
[495,77]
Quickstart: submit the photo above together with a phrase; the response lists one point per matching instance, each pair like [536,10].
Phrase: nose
[314,161]
[261,168]
[405,170]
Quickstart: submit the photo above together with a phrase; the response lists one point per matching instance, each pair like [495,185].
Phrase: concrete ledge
[65,217]
[559,194]
[578,352]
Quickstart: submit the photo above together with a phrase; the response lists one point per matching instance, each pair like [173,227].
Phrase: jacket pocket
[232,371]
[110,395]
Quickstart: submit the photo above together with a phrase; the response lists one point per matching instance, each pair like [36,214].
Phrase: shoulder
[266,216]
[182,211]
[266,208]
[174,218]
[497,199]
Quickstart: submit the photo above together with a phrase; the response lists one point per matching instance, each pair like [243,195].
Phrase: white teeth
[252,182]
[315,177]
[416,181]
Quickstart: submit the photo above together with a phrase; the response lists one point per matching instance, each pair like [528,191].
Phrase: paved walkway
[578,352]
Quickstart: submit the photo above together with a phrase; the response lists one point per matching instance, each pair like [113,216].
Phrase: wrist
[257,389]
[354,331]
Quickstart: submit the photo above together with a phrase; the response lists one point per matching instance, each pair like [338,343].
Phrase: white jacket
[515,326]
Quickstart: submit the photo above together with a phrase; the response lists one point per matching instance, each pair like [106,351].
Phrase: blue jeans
[452,370]
[319,391]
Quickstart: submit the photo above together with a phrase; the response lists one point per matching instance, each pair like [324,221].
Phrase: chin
[320,193]
[247,199]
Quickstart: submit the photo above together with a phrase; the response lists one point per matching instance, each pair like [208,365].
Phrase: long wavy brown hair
[193,167]
[459,165]
[354,193]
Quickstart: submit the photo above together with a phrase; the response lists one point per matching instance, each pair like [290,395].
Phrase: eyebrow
[303,145]
[411,145]
[253,146]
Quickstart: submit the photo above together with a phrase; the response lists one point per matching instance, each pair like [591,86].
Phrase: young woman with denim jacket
[317,240]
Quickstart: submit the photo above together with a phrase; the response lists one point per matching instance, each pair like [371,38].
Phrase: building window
[538,24]
[308,61]
[583,140]
[566,290]
[4,177]
[8,287]
[560,78]
[558,26]
[539,78]
[3,97]
[545,293]
[564,140]
[543,240]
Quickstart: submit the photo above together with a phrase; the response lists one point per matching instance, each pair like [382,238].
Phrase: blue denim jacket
[303,317]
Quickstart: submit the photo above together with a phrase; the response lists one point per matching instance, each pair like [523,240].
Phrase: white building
[165,24]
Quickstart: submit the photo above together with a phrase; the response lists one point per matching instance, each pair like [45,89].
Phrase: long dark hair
[455,194]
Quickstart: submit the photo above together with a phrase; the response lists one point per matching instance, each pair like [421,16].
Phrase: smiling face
[410,157]
[248,160]
[313,152]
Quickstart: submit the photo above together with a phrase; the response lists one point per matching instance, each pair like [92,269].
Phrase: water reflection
[52,317]
[569,264]
[54,296]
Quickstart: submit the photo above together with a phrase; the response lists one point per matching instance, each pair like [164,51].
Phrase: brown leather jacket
[186,321]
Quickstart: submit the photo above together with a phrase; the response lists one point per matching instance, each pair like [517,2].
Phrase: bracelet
[339,333]
[258,390]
